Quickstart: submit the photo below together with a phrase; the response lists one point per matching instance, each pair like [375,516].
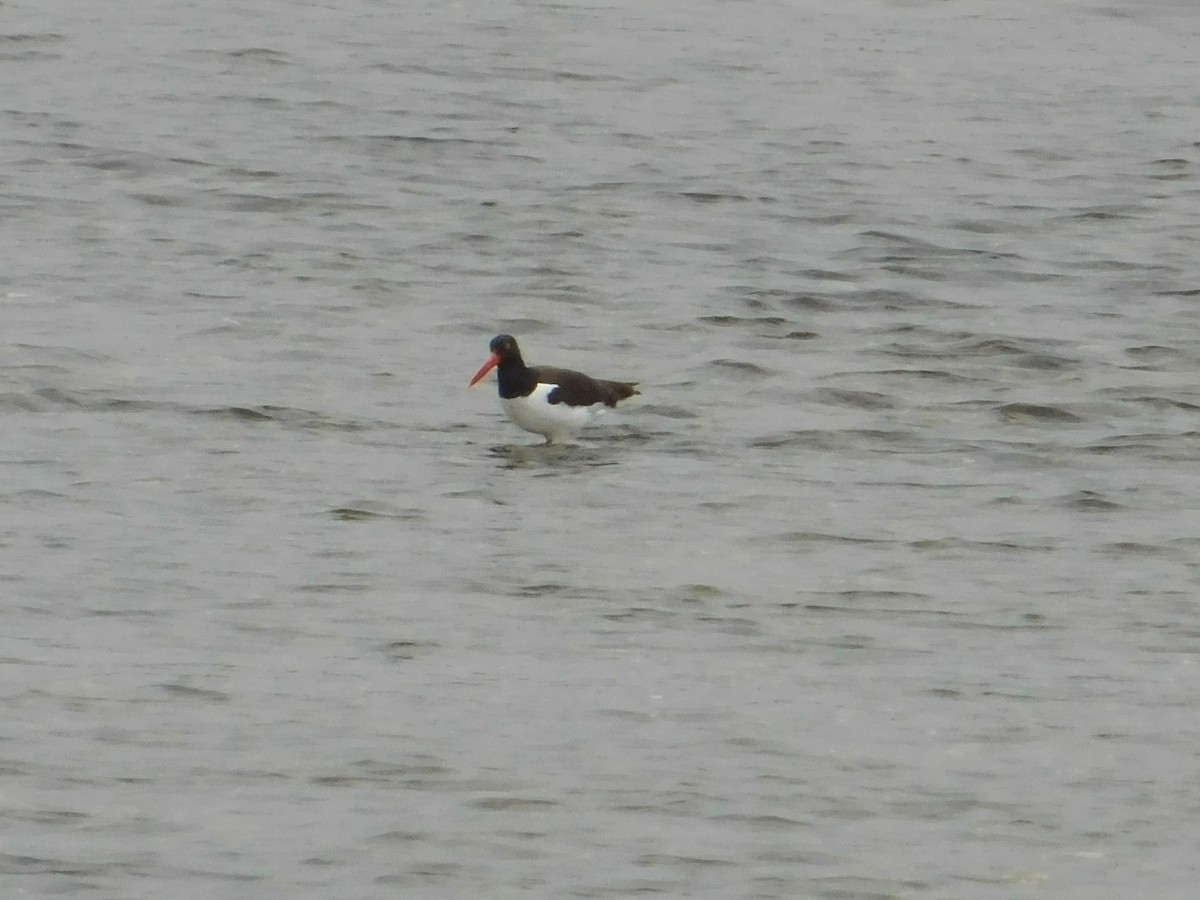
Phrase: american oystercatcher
[554,403]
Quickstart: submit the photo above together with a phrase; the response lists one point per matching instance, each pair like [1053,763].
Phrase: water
[885,587]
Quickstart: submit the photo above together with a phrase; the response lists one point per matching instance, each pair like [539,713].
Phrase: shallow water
[885,587]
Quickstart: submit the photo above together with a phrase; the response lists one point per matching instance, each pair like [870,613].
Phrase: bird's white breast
[554,421]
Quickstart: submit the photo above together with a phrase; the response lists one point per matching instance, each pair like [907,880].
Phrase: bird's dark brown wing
[577,389]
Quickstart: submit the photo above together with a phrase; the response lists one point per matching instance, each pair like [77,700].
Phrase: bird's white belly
[554,421]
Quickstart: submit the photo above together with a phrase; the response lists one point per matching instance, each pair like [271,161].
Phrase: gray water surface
[886,586]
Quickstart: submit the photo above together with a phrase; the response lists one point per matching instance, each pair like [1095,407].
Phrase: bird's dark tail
[616,391]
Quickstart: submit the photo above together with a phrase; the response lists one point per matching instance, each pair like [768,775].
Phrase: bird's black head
[507,355]
[505,347]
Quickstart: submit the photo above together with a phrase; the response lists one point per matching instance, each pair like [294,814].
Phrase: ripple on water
[1089,501]
[1039,413]
[860,440]
[868,400]
[740,368]
[371,510]
[961,348]
[1181,446]
[754,322]
[1154,356]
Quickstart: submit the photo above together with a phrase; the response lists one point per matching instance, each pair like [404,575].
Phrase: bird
[554,403]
